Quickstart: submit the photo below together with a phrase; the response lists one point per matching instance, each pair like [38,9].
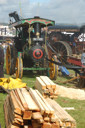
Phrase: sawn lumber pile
[28,109]
[46,87]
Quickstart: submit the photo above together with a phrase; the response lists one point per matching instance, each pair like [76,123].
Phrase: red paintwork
[74,61]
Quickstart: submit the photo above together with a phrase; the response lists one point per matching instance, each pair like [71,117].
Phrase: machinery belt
[69,66]
[51,48]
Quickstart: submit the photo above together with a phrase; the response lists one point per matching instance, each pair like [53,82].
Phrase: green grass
[61,79]
[2,98]
[78,114]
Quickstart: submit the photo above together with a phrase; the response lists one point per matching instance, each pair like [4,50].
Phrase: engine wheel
[53,72]
[63,50]
[19,67]
[10,60]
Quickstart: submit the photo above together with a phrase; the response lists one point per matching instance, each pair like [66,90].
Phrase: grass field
[78,114]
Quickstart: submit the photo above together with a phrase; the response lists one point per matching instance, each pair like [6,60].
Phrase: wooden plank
[53,97]
[46,109]
[35,124]
[54,119]
[28,126]
[14,118]
[46,125]
[46,91]
[13,126]
[74,78]
[50,91]
[27,115]
[45,102]
[10,114]
[60,112]
[68,108]
[17,116]
[36,115]
[18,101]
[17,122]
[6,114]
[54,125]
[35,97]
[47,83]
[39,84]
[46,119]
[29,100]
[15,106]
[21,98]
[53,85]
[38,87]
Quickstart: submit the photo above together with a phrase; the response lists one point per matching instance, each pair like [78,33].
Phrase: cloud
[8,6]
[3,2]
[62,11]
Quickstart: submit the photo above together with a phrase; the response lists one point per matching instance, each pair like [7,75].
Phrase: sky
[61,11]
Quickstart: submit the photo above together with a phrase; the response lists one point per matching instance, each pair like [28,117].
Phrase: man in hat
[1,61]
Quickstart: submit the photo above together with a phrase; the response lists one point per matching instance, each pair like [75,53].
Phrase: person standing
[1,61]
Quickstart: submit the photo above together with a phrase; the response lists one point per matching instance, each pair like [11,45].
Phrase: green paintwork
[20,54]
[38,68]
[31,21]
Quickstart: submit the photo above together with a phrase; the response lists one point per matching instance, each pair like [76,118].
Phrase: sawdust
[71,93]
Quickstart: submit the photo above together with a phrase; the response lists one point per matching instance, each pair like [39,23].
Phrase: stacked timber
[29,109]
[65,118]
[46,87]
